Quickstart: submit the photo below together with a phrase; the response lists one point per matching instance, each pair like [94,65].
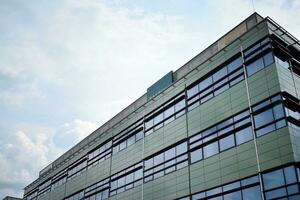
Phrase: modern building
[223,126]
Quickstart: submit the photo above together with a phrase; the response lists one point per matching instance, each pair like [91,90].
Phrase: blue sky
[66,67]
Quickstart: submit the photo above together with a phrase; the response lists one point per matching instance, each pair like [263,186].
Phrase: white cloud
[17,168]
[73,132]
[21,159]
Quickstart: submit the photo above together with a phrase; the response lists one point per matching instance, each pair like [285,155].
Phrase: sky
[68,66]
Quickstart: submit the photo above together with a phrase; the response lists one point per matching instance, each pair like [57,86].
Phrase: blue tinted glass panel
[205,83]
[268,59]
[255,67]
[263,118]
[276,193]
[210,149]
[234,64]
[273,179]
[191,92]
[244,135]
[278,111]
[220,74]
[290,175]
[182,148]
[196,155]
[233,196]
[227,142]
[252,193]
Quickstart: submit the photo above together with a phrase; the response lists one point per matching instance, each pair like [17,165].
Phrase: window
[227,142]
[255,67]
[205,83]
[220,74]
[273,179]
[166,162]
[196,155]
[268,59]
[210,149]
[244,135]
[268,116]
[263,118]
[126,179]
[166,114]
[99,154]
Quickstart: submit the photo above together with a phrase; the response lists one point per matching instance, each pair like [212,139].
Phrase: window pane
[222,89]
[131,140]
[268,58]
[129,178]
[170,111]
[234,64]
[265,130]
[149,163]
[233,196]
[255,66]
[121,182]
[170,154]
[148,124]
[158,159]
[138,174]
[244,135]
[263,118]
[227,142]
[273,179]
[225,123]
[252,193]
[210,149]
[158,118]
[290,175]
[278,111]
[122,145]
[220,74]
[205,83]
[182,148]
[194,90]
[139,136]
[179,105]
[196,155]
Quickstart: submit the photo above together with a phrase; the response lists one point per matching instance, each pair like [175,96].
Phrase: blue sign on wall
[160,85]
